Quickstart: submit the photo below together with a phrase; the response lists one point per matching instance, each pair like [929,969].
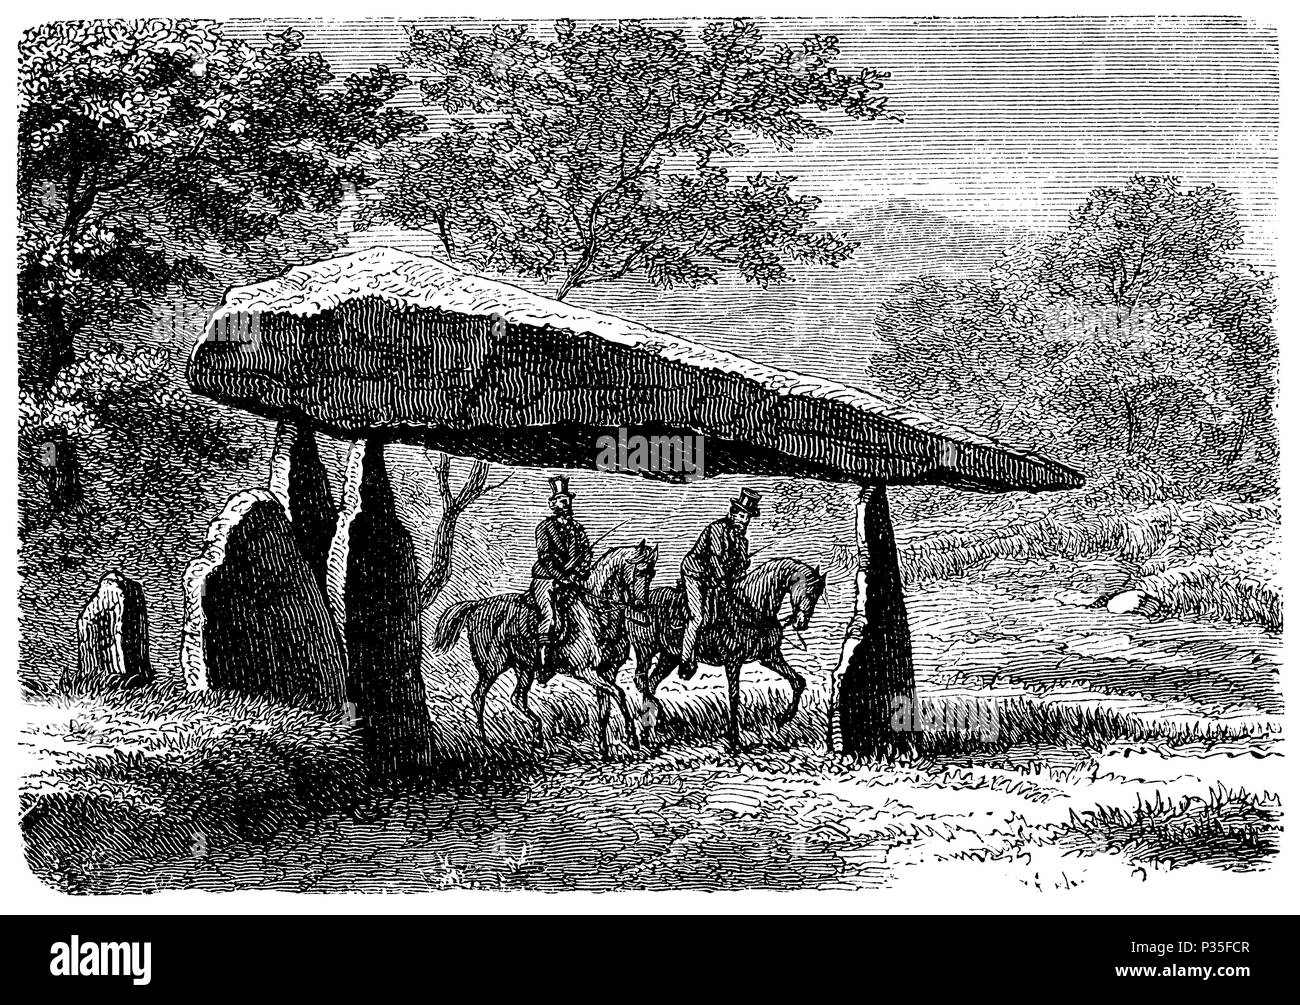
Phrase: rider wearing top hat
[712,570]
[563,559]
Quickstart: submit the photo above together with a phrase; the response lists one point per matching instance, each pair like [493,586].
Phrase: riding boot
[545,663]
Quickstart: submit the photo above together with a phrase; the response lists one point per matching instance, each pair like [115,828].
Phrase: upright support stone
[112,639]
[873,690]
[300,482]
[374,588]
[256,620]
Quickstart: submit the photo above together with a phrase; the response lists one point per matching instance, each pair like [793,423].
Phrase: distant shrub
[1202,559]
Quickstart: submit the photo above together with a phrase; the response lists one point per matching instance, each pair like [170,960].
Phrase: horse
[749,630]
[503,634]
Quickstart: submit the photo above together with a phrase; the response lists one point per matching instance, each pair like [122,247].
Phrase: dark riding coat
[720,554]
[563,551]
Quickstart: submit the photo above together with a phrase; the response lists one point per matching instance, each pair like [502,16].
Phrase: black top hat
[747,501]
[559,486]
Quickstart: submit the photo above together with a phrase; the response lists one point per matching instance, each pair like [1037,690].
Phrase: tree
[1132,339]
[1240,304]
[952,349]
[1119,288]
[453,505]
[1144,247]
[433,503]
[140,141]
[599,153]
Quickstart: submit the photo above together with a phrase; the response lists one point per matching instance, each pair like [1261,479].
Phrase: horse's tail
[451,623]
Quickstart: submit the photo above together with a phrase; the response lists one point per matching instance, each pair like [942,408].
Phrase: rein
[637,615]
[788,622]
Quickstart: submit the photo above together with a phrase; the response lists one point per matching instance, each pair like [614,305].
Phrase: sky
[1011,120]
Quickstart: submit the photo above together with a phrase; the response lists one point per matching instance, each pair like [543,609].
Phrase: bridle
[789,622]
[639,615]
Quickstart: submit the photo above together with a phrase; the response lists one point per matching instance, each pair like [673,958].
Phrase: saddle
[565,623]
[717,605]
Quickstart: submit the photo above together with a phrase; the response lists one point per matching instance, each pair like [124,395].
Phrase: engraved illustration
[719,454]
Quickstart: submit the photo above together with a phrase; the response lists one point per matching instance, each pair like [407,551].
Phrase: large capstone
[256,620]
[112,639]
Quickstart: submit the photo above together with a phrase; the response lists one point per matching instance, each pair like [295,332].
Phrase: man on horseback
[712,569]
[563,560]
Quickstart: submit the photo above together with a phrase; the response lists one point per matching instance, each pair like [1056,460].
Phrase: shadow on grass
[161,773]
[950,726]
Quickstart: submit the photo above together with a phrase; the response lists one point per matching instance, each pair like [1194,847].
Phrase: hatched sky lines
[1006,120]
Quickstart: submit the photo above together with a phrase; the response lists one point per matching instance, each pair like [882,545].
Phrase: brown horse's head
[805,592]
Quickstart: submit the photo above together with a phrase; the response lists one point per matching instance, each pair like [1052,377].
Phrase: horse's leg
[646,660]
[523,684]
[486,678]
[489,668]
[733,707]
[608,689]
[628,722]
[602,723]
[776,661]
[664,666]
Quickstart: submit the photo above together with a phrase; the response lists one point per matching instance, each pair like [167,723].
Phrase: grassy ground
[1217,560]
[1235,830]
[777,817]
[1064,746]
[219,794]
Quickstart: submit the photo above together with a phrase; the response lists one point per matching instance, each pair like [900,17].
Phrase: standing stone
[60,469]
[300,482]
[874,710]
[374,588]
[112,639]
[255,618]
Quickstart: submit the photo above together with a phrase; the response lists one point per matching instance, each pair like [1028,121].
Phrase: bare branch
[473,486]
[442,472]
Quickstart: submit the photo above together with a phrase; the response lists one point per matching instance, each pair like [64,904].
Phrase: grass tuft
[1236,830]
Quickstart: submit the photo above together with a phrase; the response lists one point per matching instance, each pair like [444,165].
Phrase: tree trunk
[444,234]
[873,690]
[55,349]
[1239,436]
[453,506]
[440,565]
[566,287]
